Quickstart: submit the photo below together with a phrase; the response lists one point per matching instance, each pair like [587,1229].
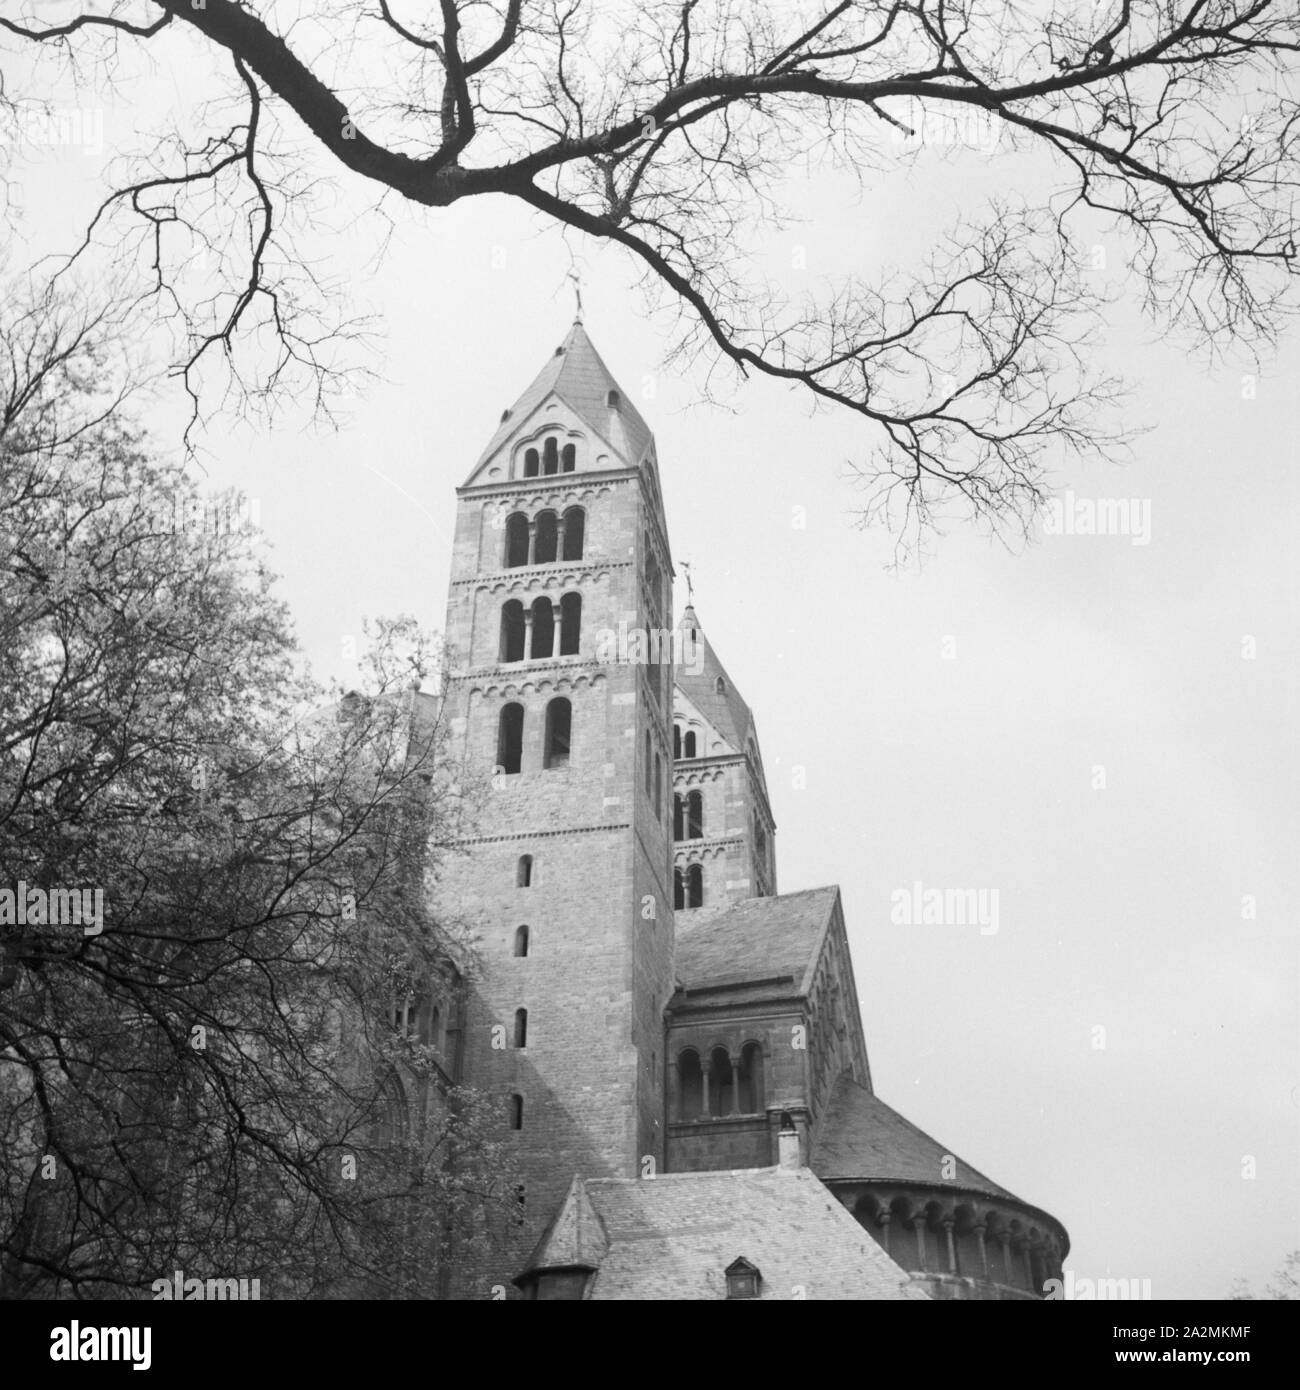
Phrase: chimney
[789,1148]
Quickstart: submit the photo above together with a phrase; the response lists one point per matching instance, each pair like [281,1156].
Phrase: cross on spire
[690,586]
[577,295]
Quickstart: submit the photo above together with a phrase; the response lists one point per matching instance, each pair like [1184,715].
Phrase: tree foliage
[210,1082]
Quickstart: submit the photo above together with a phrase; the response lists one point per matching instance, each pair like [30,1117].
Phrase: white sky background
[1120,907]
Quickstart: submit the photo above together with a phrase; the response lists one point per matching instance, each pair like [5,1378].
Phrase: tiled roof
[859,1136]
[674,1236]
[754,939]
[578,376]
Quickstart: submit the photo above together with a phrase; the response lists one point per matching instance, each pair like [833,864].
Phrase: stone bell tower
[562,728]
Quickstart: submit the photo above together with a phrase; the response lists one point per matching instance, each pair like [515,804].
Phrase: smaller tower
[723,831]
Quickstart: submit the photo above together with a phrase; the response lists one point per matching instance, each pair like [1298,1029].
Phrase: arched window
[688,745]
[570,624]
[516,1111]
[559,727]
[721,1083]
[659,786]
[510,738]
[749,1084]
[568,458]
[405,1016]
[695,816]
[720,686]
[516,540]
[575,528]
[679,890]
[546,539]
[524,871]
[679,820]
[521,1027]
[521,941]
[530,464]
[690,1086]
[695,886]
[543,628]
[512,631]
[613,400]
[392,1116]
[550,458]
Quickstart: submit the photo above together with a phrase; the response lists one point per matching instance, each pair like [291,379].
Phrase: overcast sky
[949,722]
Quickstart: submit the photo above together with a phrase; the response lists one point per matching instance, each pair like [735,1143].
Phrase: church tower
[561,723]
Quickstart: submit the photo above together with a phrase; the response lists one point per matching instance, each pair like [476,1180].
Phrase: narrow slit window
[516,1111]
[521,941]
[521,1027]
[524,871]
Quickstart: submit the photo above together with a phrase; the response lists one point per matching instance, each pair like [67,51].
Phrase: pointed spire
[578,376]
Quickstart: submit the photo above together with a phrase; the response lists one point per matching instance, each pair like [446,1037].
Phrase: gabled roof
[725,710]
[860,1137]
[578,376]
[674,1236]
[742,946]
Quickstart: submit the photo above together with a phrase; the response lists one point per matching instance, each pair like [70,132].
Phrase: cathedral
[676,1047]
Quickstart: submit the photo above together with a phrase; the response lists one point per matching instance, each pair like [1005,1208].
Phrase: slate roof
[578,376]
[674,1236]
[727,712]
[752,940]
[861,1137]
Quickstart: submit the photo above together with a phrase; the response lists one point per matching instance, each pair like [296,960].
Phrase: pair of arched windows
[546,538]
[683,745]
[557,741]
[688,887]
[552,459]
[529,634]
[720,1088]
[688,816]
